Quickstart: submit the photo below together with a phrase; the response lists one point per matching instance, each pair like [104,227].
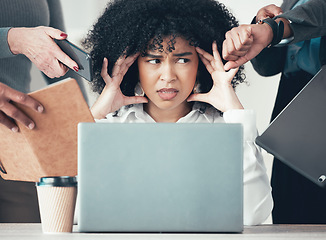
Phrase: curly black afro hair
[132,26]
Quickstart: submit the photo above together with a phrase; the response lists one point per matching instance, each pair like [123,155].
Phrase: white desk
[270,232]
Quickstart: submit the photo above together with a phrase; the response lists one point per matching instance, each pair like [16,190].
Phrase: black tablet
[297,136]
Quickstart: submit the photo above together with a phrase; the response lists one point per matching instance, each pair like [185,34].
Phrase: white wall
[259,94]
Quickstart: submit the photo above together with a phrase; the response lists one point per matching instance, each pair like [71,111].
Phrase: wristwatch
[277,28]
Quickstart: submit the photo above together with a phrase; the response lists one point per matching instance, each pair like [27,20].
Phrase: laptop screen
[160,177]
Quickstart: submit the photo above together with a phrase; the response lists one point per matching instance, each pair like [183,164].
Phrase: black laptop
[297,136]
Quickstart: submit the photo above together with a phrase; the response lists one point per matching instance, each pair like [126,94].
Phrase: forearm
[97,112]
[16,41]
[270,61]
[103,105]
[304,22]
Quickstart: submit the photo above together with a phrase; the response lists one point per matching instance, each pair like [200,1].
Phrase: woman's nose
[168,73]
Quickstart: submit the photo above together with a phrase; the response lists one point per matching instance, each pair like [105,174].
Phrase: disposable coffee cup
[57,200]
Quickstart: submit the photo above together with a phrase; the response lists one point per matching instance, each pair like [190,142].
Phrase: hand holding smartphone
[82,58]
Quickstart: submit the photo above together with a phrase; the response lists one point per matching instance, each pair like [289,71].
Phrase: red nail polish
[76,69]
[63,35]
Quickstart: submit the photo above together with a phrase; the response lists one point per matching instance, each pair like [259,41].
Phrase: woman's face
[168,78]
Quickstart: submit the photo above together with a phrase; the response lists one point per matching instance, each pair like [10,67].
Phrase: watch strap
[277,28]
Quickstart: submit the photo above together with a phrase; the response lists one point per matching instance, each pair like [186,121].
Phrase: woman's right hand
[111,98]
[222,95]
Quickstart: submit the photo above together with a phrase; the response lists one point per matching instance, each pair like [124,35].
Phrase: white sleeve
[258,202]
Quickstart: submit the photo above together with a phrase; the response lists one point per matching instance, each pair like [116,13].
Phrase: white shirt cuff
[247,117]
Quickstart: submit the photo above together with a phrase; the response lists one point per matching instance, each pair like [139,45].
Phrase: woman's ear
[196,87]
[139,90]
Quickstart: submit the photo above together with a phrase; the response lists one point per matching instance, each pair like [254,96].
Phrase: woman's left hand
[222,95]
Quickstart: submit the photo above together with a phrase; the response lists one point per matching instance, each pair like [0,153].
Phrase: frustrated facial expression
[168,78]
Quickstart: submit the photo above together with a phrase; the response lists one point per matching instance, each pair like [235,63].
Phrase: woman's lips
[167,93]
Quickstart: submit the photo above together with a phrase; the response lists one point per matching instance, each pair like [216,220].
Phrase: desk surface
[34,232]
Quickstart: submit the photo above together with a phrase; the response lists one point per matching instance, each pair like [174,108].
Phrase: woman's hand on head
[111,98]
[37,44]
[222,95]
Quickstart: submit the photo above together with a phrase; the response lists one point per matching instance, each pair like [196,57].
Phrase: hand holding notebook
[51,148]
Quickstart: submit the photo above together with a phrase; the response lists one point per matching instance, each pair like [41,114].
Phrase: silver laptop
[161,177]
[297,136]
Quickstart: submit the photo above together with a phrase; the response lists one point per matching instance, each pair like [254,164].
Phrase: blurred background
[258,94]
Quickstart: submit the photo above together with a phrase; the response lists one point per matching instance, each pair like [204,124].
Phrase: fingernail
[14,129]
[31,125]
[40,108]
[63,35]
[76,69]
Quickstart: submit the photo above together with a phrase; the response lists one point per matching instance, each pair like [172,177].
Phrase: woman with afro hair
[159,61]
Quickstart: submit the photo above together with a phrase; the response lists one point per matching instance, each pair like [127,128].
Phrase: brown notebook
[51,148]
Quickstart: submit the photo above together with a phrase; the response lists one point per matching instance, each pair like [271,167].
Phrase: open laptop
[297,136]
[160,177]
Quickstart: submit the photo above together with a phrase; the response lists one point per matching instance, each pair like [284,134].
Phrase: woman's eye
[183,60]
[154,61]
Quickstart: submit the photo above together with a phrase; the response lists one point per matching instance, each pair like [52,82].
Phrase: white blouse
[258,201]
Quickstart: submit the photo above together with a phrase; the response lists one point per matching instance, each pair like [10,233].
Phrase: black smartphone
[82,58]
